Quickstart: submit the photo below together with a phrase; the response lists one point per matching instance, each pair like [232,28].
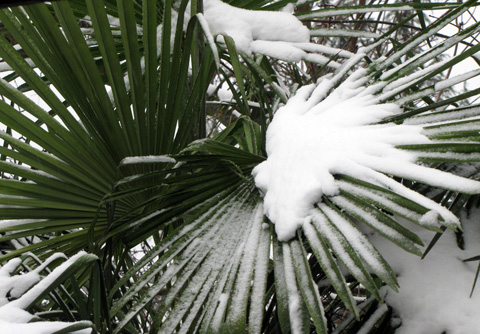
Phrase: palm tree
[181,198]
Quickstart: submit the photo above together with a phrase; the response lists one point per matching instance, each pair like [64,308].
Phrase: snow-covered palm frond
[260,227]
[322,132]
[20,294]
[331,155]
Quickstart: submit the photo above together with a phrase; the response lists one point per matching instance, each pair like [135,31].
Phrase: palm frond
[119,156]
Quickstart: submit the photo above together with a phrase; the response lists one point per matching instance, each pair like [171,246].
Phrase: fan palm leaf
[116,154]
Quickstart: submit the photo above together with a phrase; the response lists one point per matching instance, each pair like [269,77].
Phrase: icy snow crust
[321,132]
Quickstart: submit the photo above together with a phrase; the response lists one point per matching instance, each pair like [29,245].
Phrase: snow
[312,138]
[14,315]
[444,84]
[30,171]
[322,132]
[399,85]
[390,231]
[434,292]
[324,227]
[23,283]
[33,293]
[374,318]
[429,54]
[220,312]
[294,298]
[378,178]
[333,12]
[342,33]
[225,94]
[41,327]
[313,240]
[308,141]
[246,26]
[281,50]
[247,264]
[289,52]
[433,177]
[444,117]
[451,126]
[413,77]
[210,39]
[358,241]
[300,2]
[312,47]
[25,288]
[349,318]
[260,280]
[147,159]
[430,218]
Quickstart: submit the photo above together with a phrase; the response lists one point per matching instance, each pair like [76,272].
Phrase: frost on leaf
[323,131]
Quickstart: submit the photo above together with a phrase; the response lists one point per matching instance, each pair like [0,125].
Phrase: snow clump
[246,26]
[318,134]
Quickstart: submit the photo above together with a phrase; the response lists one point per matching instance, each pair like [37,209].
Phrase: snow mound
[435,292]
[246,26]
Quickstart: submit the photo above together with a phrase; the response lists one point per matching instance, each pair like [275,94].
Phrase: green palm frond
[118,158]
